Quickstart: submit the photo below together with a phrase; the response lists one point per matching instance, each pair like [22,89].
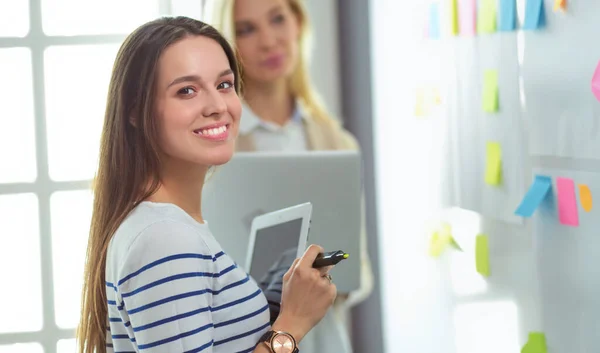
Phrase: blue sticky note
[434,20]
[535,195]
[535,16]
[508,15]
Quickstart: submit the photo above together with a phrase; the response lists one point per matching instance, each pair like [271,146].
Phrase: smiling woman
[155,275]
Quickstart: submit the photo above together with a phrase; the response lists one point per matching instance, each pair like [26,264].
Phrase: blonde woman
[281,111]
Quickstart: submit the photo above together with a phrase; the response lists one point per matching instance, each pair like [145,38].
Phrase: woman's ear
[132,121]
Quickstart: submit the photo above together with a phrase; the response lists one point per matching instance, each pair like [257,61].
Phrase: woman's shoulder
[331,131]
[160,230]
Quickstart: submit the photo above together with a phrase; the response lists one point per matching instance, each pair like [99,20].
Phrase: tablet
[276,240]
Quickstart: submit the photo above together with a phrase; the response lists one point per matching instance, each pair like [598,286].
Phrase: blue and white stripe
[171,288]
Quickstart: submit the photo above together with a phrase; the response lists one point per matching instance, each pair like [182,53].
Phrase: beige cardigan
[330,135]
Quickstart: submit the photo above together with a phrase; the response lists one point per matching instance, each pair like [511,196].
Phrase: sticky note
[508,15]
[535,344]
[487,17]
[493,164]
[421,106]
[490,91]
[482,255]
[535,196]
[454,17]
[560,5]
[535,16]
[596,82]
[441,239]
[567,203]
[467,17]
[585,197]
[434,20]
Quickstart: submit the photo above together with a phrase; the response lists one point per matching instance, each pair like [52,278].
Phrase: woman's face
[267,36]
[198,108]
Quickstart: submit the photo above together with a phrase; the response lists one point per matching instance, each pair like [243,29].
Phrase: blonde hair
[219,13]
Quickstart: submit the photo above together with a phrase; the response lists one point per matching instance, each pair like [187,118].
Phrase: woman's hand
[307,295]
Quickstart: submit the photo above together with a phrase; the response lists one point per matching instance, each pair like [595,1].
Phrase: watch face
[283,343]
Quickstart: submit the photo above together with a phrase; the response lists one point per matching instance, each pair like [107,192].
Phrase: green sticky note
[482,256]
[493,164]
[454,17]
[486,21]
[535,344]
[490,91]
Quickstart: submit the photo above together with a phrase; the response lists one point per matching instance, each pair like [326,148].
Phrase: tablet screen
[275,250]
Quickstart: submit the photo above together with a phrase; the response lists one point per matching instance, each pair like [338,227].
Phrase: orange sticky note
[560,5]
[585,197]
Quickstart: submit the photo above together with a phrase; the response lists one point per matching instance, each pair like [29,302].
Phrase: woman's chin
[218,157]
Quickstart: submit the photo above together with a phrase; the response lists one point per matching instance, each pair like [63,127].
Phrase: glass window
[77,17]
[17,122]
[66,346]
[21,308]
[71,213]
[77,80]
[14,18]
[22,348]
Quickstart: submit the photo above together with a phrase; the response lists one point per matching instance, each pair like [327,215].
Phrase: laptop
[255,183]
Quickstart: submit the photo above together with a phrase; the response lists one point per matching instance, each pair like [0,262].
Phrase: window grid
[37,41]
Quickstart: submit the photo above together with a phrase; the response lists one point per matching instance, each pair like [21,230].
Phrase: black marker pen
[329,258]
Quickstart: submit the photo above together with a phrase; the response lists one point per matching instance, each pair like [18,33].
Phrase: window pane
[20,252]
[22,348]
[75,104]
[71,212]
[14,18]
[77,17]
[17,132]
[66,346]
[189,8]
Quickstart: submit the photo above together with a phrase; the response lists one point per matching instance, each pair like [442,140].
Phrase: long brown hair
[128,170]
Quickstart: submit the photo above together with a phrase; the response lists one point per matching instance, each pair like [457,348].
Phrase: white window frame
[37,41]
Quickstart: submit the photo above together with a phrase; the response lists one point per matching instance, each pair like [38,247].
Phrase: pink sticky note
[468,14]
[596,82]
[567,204]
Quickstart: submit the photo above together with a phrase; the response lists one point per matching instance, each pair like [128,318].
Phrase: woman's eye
[279,19]
[225,85]
[244,30]
[186,91]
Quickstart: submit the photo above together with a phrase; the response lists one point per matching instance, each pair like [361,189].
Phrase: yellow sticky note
[560,5]
[421,105]
[454,17]
[536,343]
[486,20]
[493,164]
[585,197]
[482,256]
[490,91]
[441,239]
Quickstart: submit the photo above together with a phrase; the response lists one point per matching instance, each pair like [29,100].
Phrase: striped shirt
[171,288]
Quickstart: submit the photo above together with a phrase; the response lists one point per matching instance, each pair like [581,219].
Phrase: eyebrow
[196,78]
[273,10]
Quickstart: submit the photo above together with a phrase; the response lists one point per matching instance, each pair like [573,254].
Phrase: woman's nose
[214,104]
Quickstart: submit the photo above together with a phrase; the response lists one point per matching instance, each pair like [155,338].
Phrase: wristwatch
[280,342]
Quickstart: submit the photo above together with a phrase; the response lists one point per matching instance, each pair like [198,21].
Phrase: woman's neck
[272,102]
[181,184]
